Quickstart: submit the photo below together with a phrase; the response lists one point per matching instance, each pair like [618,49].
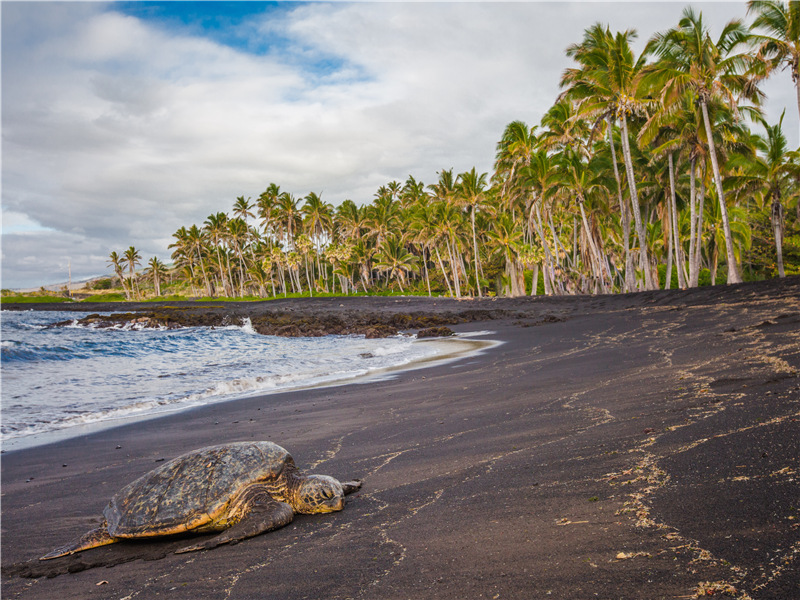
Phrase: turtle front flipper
[91,539]
[261,518]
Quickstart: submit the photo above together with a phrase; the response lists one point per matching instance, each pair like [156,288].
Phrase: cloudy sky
[122,122]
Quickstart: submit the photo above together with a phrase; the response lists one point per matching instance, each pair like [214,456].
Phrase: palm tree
[773,174]
[688,59]
[541,179]
[156,270]
[132,258]
[607,87]
[266,203]
[395,260]
[504,239]
[241,209]
[196,240]
[779,45]
[117,262]
[471,193]
[216,226]
[318,216]
[583,180]
[383,217]
[238,234]
[349,220]
[287,217]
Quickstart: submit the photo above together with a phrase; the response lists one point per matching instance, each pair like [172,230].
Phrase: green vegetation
[110,297]
[12,298]
[648,171]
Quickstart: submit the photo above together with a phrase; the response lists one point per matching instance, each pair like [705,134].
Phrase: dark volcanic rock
[431,332]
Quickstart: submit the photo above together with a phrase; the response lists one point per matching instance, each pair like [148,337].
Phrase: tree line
[648,171]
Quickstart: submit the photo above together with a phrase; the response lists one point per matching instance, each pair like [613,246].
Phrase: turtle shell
[191,490]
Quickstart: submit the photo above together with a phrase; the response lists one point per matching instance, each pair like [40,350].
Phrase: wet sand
[638,446]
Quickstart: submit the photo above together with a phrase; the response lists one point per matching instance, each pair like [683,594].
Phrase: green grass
[32,299]
[112,297]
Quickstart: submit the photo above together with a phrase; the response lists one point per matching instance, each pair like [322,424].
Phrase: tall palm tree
[471,193]
[383,218]
[607,87]
[773,174]
[132,258]
[319,217]
[349,220]
[287,217]
[688,59]
[117,262]
[216,227]
[156,270]
[241,208]
[196,239]
[393,258]
[779,44]
[266,204]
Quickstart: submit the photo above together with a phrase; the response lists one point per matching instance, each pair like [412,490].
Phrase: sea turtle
[241,489]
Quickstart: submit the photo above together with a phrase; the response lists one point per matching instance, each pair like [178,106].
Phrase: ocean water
[59,379]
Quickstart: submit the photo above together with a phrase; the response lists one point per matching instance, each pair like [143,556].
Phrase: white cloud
[117,131]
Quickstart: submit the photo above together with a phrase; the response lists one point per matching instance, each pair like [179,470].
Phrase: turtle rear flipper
[262,517]
[91,539]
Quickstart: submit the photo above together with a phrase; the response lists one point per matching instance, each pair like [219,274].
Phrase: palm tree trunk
[597,265]
[733,269]
[630,279]
[427,278]
[535,280]
[668,274]
[676,243]
[637,213]
[444,273]
[475,250]
[796,77]
[454,269]
[777,228]
[698,245]
[692,220]
[549,287]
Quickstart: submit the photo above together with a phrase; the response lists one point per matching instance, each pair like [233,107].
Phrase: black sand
[639,446]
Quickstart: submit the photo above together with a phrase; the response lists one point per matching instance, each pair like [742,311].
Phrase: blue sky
[124,121]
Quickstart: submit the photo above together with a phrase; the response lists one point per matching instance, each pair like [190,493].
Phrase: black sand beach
[639,446]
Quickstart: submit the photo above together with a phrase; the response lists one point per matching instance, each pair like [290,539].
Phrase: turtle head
[318,494]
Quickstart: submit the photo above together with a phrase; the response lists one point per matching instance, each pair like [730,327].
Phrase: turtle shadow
[105,556]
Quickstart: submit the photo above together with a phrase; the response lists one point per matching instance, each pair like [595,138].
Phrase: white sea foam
[67,377]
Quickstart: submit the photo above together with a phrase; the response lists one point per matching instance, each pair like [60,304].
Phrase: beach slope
[637,446]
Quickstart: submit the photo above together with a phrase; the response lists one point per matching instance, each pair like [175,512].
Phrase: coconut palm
[265,205]
[241,208]
[383,217]
[216,227]
[779,44]
[117,262]
[318,216]
[471,194]
[395,260]
[349,220]
[132,258]
[287,218]
[606,85]
[156,270]
[773,174]
[688,59]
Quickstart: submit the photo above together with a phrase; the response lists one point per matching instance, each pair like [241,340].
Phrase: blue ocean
[65,379]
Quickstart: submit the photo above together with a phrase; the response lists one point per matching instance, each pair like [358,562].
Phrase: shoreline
[468,347]
[636,447]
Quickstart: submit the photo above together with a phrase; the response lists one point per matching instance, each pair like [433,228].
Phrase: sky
[123,121]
